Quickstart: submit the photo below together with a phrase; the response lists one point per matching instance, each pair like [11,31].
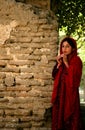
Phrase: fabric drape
[65,96]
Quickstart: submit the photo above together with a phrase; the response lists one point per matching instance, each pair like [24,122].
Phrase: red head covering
[71,42]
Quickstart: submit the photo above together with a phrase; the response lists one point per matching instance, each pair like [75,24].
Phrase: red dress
[65,96]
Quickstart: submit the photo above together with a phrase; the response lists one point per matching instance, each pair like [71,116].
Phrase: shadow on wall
[48,116]
[24,1]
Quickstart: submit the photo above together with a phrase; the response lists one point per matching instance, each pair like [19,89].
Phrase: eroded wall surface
[28,46]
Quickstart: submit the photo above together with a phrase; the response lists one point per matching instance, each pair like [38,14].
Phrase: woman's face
[66,48]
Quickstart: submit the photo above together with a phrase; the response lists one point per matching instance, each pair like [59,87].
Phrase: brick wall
[28,38]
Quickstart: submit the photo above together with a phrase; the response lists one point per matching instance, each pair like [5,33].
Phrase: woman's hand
[62,58]
[59,60]
[65,60]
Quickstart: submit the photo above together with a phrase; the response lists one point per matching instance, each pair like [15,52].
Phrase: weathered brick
[28,44]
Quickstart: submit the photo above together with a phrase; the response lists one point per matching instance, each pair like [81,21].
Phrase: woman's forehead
[65,43]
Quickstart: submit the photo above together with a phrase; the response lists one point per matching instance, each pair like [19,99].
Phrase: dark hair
[70,41]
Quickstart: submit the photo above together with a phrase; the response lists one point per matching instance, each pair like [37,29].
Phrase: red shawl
[72,82]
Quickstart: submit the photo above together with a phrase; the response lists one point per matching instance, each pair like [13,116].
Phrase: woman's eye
[65,46]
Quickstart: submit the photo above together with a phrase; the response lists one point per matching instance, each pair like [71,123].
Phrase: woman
[65,96]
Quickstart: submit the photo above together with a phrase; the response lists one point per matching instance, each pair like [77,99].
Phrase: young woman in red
[65,96]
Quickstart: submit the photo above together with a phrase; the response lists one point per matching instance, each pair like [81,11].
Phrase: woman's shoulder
[76,57]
